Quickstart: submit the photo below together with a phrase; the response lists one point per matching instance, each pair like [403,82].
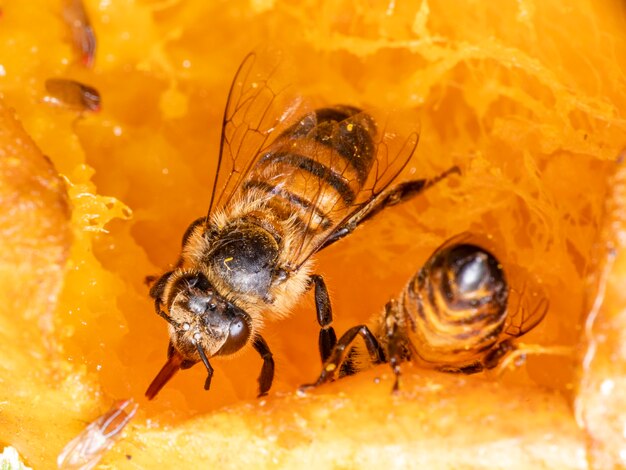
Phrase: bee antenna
[168,319]
[205,360]
[209,369]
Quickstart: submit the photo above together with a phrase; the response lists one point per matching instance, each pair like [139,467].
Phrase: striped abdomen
[457,304]
[314,170]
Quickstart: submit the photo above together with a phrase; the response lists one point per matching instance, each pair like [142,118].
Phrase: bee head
[202,321]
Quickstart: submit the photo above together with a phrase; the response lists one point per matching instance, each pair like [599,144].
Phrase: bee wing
[527,305]
[397,142]
[86,449]
[393,150]
[259,106]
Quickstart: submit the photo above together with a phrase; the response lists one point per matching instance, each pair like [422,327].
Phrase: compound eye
[238,335]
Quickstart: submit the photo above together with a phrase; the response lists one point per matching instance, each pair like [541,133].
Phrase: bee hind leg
[399,347]
[338,355]
[327,336]
[266,376]
[396,195]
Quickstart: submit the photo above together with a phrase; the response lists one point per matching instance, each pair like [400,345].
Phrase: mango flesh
[524,96]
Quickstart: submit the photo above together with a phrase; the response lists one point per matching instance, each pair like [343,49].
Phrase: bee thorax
[245,258]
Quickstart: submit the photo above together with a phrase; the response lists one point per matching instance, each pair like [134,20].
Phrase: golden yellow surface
[601,397]
[525,96]
[357,424]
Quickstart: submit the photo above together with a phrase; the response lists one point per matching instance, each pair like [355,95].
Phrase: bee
[457,314]
[291,180]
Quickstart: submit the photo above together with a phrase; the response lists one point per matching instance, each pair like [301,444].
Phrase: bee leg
[327,336]
[470,369]
[338,355]
[396,349]
[396,195]
[165,316]
[267,371]
[493,357]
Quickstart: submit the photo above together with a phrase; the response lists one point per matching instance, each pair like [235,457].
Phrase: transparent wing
[528,305]
[392,151]
[260,105]
[86,449]
[301,165]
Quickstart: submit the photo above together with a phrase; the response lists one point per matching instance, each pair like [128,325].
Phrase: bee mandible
[291,180]
[458,313]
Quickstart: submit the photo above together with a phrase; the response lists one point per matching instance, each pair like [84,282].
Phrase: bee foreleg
[267,371]
[327,336]
[396,195]
[337,357]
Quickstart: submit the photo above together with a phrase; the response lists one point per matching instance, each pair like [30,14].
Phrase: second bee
[455,315]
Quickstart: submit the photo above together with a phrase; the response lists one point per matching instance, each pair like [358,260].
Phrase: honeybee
[459,313]
[291,180]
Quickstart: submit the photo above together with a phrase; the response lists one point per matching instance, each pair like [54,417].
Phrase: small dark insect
[83,35]
[85,450]
[455,315]
[291,180]
[72,94]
